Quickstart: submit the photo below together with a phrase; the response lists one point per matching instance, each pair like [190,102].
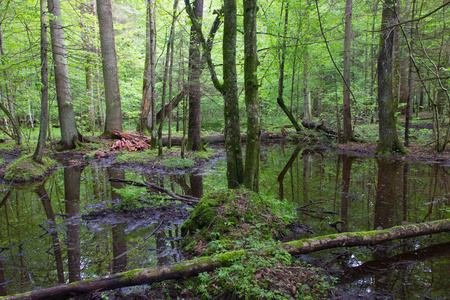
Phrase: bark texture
[252,151]
[204,264]
[348,131]
[69,132]
[388,140]
[195,71]
[39,152]
[113,119]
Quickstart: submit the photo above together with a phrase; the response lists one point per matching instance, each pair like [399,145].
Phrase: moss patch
[228,220]
[26,169]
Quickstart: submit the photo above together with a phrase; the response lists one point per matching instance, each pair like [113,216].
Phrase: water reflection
[340,193]
[64,229]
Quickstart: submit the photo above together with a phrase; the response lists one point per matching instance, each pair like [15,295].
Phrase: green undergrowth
[228,220]
[26,169]
[232,219]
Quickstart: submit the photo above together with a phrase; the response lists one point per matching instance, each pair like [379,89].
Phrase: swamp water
[65,229]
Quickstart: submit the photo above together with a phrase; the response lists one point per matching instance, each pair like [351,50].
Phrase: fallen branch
[205,264]
[320,127]
[157,188]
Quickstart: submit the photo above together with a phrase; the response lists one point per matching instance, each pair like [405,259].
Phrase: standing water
[78,225]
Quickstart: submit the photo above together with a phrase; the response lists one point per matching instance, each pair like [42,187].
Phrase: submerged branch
[157,188]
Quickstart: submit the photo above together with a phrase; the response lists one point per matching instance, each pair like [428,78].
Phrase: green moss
[231,219]
[178,163]
[130,275]
[26,169]
[140,157]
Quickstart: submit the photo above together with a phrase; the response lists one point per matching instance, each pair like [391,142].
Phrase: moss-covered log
[203,264]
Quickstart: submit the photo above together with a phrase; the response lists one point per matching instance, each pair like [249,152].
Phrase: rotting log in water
[204,264]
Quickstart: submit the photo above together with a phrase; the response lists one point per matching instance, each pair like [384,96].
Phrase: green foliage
[273,276]
[179,163]
[26,169]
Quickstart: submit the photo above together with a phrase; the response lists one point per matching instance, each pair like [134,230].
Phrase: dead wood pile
[129,142]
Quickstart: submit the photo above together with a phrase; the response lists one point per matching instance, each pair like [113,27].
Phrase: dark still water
[66,228]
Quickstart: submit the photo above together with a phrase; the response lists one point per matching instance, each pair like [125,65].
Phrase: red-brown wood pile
[129,142]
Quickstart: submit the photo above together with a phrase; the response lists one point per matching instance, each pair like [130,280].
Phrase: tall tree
[6,93]
[148,106]
[113,120]
[348,131]
[388,141]
[195,71]
[252,152]
[39,152]
[70,136]
[166,71]
[228,89]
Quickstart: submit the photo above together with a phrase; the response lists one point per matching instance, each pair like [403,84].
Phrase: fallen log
[319,126]
[203,264]
[175,196]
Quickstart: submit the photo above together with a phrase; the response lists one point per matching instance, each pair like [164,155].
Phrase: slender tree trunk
[166,70]
[195,71]
[113,119]
[148,107]
[347,116]
[70,136]
[388,140]
[252,151]
[280,100]
[9,108]
[39,152]
[410,80]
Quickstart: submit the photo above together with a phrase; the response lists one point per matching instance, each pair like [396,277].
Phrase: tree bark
[347,115]
[39,152]
[410,81]
[388,140]
[113,120]
[205,264]
[228,89]
[194,142]
[70,136]
[252,150]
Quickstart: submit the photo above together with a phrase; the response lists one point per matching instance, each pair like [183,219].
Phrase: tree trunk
[228,89]
[195,71]
[233,147]
[205,264]
[9,99]
[347,116]
[39,152]
[148,106]
[388,140]
[70,136]
[252,150]
[113,120]
[410,80]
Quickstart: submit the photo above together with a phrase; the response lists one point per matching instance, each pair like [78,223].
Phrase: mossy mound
[228,220]
[26,169]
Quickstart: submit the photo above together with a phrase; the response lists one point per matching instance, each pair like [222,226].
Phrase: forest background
[301,59]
